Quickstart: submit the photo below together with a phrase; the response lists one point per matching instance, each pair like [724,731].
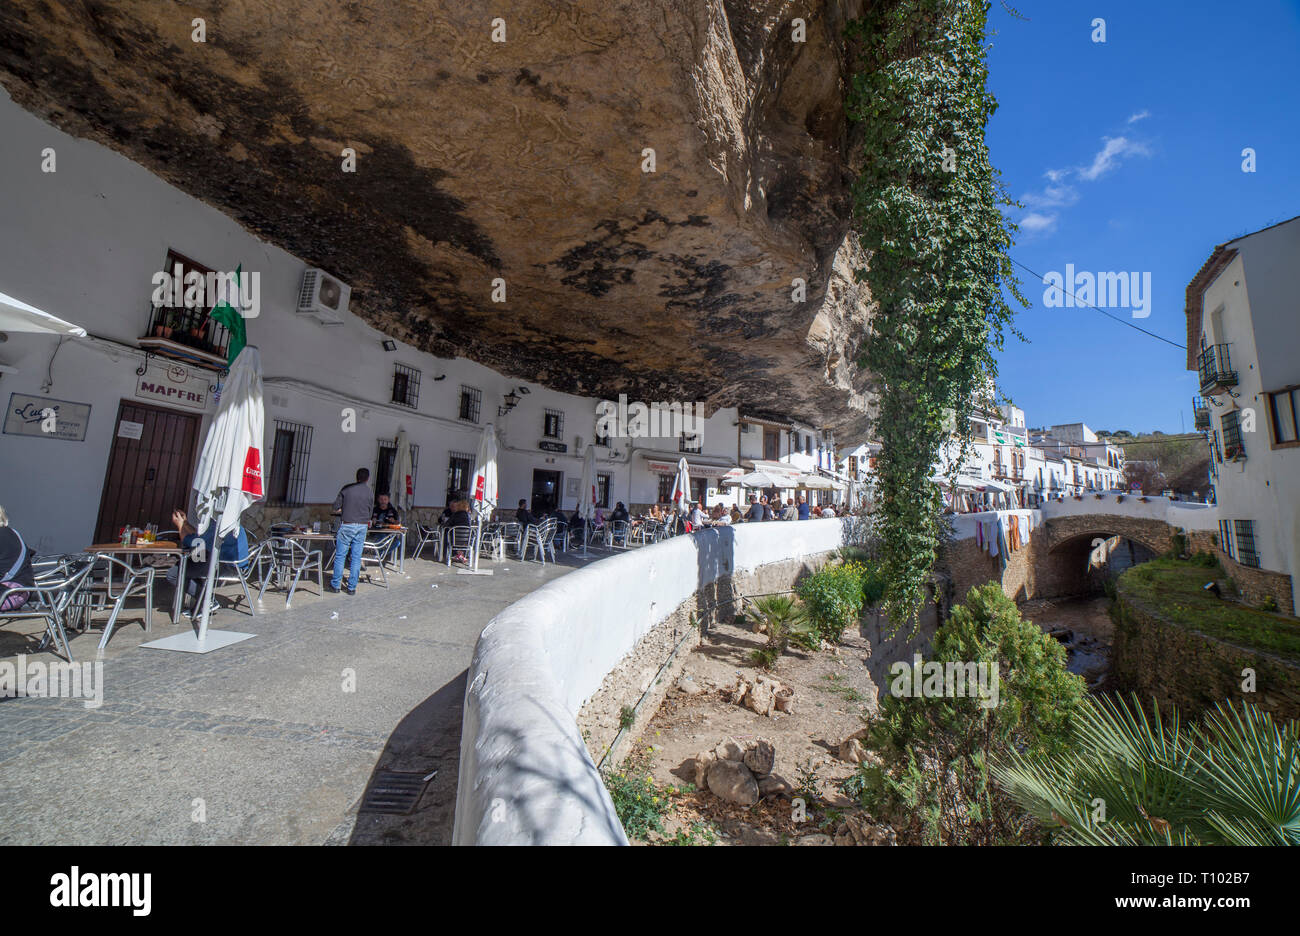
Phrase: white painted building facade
[1243,330]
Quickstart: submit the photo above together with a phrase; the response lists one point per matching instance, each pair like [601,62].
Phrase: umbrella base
[189,642]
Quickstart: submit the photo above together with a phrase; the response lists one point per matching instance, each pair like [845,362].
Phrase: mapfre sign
[174,385]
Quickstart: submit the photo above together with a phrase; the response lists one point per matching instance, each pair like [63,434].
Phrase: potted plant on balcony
[162,327]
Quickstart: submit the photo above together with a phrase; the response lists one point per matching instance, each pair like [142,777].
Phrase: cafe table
[141,552]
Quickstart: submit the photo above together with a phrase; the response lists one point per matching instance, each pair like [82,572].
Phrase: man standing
[755,509]
[803,507]
[354,503]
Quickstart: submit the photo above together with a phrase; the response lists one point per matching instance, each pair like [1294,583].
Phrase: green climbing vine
[926,207]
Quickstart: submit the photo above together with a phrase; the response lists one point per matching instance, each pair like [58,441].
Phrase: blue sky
[1127,155]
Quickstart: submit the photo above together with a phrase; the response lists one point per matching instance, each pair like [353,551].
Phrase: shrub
[833,596]
[783,621]
[641,806]
[932,781]
[1130,780]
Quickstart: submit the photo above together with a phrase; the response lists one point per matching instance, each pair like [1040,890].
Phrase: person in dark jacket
[15,565]
[524,517]
[620,513]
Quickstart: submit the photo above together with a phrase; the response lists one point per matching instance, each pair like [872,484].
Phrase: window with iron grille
[1232,444]
[1245,542]
[471,401]
[290,453]
[602,490]
[406,385]
[553,424]
[460,469]
[690,442]
[386,464]
[666,488]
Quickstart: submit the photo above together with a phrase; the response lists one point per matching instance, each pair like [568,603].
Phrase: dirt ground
[833,694]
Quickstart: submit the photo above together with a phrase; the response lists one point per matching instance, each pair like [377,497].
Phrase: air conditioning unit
[323,297]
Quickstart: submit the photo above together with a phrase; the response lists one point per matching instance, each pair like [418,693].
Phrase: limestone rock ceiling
[520,159]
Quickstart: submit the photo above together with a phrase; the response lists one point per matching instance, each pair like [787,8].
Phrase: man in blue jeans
[355,501]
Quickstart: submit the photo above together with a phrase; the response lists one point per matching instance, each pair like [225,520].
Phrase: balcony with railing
[1215,369]
[1201,414]
[187,335]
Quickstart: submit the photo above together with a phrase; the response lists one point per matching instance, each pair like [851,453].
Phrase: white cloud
[1052,196]
[1140,115]
[1038,223]
[1109,157]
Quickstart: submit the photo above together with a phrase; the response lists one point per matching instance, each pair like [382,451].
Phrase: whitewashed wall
[525,775]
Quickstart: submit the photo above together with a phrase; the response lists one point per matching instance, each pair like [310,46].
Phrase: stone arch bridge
[1055,563]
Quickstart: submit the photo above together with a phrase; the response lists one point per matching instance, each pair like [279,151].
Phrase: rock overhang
[521,161]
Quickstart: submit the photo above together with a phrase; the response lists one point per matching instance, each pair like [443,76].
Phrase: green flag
[231,317]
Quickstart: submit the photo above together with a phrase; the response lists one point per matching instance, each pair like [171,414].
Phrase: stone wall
[1179,666]
[526,776]
[638,682]
[1256,585]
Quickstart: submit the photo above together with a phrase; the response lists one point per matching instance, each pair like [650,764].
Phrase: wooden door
[147,477]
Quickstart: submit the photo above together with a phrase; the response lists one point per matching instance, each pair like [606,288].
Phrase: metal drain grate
[395,791]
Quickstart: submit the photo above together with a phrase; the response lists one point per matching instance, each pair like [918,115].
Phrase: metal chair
[375,552]
[51,598]
[541,539]
[238,570]
[617,534]
[647,532]
[283,557]
[136,580]
[429,535]
[511,534]
[458,540]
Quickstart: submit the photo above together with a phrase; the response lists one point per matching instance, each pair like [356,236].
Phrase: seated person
[788,512]
[696,517]
[620,513]
[755,510]
[384,513]
[736,515]
[718,516]
[15,565]
[524,517]
[459,517]
[234,548]
[576,523]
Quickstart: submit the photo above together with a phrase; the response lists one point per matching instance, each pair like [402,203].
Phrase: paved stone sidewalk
[262,732]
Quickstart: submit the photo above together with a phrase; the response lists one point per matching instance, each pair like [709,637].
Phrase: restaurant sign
[175,385]
[46,418]
[553,446]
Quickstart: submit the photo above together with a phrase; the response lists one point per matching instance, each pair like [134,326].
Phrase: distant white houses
[1008,466]
[1243,343]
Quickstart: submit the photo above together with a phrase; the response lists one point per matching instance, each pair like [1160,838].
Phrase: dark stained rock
[520,160]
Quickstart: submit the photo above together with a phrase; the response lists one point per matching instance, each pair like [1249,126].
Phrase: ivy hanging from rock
[926,207]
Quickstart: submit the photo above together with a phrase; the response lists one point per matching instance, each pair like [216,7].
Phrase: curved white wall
[526,777]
